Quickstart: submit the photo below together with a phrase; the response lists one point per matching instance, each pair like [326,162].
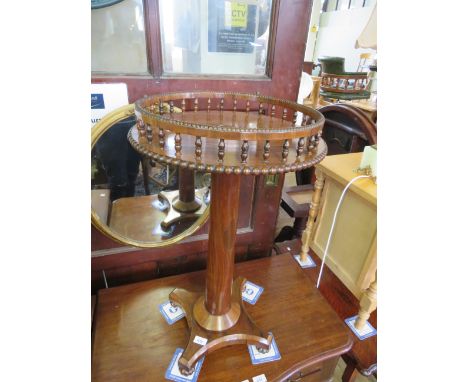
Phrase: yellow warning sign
[239,13]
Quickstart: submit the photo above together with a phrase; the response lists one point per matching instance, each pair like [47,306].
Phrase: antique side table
[352,254]
[228,135]
[133,342]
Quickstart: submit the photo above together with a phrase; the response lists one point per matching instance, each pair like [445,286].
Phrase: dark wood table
[133,342]
[362,358]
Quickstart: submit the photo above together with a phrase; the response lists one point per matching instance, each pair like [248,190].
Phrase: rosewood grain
[223,222]
[133,342]
[186,185]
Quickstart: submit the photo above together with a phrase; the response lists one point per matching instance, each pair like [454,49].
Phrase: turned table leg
[367,304]
[313,212]
[184,203]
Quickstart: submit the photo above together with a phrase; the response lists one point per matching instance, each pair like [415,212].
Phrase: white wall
[312,36]
[337,34]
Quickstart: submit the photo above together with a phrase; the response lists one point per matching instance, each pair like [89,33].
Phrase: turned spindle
[161,136]
[198,147]
[221,146]
[171,106]
[141,128]
[149,133]
[367,305]
[266,150]
[245,150]
[300,146]
[247,106]
[195,106]
[313,212]
[208,105]
[178,144]
[273,111]
[183,104]
[235,104]
[221,104]
[260,108]
[311,143]
[285,113]
[285,152]
[161,107]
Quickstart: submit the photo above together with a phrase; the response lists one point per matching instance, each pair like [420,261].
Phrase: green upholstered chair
[339,84]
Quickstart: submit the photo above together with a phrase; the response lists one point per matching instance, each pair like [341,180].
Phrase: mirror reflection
[137,200]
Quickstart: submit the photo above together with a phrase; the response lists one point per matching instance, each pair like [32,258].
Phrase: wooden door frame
[284,65]
[290,21]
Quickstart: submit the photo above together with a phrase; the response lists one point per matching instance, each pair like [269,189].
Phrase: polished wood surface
[140,218]
[231,139]
[351,120]
[133,342]
[223,222]
[234,327]
[363,354]
[186,185]
[228,115]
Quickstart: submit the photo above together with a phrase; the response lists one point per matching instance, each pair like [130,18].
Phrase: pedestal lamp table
[228,135]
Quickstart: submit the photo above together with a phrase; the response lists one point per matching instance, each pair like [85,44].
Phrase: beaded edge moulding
[161,131]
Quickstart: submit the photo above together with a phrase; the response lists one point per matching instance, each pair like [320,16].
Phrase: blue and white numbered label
[307,263]
[173,373]
[171,313]
[251,292]
[257,357]
[367,331]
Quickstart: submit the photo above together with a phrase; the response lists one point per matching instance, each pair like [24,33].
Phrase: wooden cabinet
[352,254]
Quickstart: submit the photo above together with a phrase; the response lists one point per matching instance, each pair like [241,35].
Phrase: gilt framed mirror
[136,201]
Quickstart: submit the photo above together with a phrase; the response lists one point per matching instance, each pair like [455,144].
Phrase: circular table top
[228,132]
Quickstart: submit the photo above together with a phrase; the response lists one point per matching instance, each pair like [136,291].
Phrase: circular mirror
[135,200]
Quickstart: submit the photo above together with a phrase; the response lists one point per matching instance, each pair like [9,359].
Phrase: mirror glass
[215,37]
[118,41]
[135,200]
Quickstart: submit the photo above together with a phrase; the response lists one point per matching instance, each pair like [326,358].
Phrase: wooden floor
[284,219]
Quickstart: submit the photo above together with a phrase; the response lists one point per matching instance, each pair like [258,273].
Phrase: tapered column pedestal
[184,203]
[219,316]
